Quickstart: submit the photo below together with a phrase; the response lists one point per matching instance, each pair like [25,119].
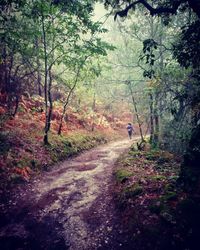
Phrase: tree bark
[136,112]
[46,130]
[67,101]
[16,105]
[151,119]
[93,109]
[39,79]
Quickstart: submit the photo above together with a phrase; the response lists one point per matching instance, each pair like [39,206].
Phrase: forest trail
[69,207]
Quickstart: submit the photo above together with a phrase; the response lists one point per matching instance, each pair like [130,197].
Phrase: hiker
[130,130]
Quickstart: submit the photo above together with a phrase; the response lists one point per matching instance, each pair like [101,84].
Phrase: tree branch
[152,11]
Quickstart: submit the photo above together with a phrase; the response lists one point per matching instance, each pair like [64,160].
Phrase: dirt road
[69,207]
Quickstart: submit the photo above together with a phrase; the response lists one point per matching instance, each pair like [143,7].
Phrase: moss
[133,148]
[61,152]
[128,193]
[170,196]
[80,142]
[63,147]
[135,153]
[160,156]
[152,155]
[169,187]
[145,161]
[23,162]
[158,177]
[121,175]
[132,191]
[126,162]
[161,204]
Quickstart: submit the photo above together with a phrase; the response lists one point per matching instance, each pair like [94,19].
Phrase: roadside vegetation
[155,211]
[22,152]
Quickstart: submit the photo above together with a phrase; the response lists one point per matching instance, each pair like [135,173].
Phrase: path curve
[69,207]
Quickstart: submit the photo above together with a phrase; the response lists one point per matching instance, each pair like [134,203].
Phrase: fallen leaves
[24,172]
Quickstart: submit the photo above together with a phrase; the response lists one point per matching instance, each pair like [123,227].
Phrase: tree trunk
[156,133]
[49,110]
[136,112]
[16,105]
[39,79]
[93,109]
[151,119]
[67,101]
[50,100]
[156,119]
[45,84]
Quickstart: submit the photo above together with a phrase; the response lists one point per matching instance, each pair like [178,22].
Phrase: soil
[69,207]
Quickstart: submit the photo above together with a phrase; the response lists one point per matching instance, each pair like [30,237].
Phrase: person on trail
[130,130]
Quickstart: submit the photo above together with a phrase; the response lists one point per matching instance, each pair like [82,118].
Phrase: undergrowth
[23,156]
[153,207]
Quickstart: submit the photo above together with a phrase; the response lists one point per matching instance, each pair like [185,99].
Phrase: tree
[186,51]
[17,51]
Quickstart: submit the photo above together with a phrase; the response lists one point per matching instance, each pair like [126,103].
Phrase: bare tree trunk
[157,129]
[46,129]
[50,100]
[16,105]
[136,112]
[39,79]
[67,101]
[93,109]
[151,119]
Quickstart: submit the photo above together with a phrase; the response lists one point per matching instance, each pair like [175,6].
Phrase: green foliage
[158,177]
[153,155]
[122,175]
[187,49]
[132,191]
[63,147]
